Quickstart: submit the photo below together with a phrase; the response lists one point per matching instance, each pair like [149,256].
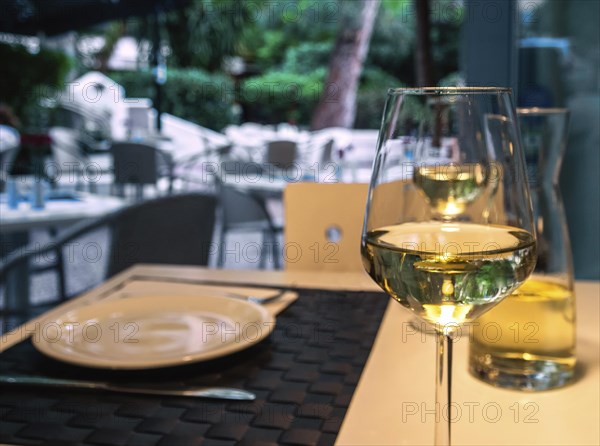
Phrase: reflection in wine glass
[444,237]
[449,188]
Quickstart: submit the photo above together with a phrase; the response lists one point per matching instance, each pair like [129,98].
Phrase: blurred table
[257,135]
[263,186]
[393,403]
[15,225]
[60,211]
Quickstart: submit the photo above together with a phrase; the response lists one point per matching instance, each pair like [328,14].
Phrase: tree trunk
[337,106]
[423,51]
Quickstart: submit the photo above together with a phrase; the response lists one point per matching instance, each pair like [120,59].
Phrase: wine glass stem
[443,389]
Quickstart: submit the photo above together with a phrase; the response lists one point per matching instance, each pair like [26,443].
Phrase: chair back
[135,163]
[281,154]
[326,153]
[138,119]
[323,226]
[239,206]
[177,229]
[174,230]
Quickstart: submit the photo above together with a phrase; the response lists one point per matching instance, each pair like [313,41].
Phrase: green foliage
[286,47]
[205,32]
[280,96]
[201,35]
[392,45]
[371,97]
[277,27]
[374,78]
[272,46]
[307,57]
[445,41]
[27,78]
[396,6]
[452,80]
[393,42]
[192,94]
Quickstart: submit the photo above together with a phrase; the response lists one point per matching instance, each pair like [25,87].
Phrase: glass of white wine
[449,234]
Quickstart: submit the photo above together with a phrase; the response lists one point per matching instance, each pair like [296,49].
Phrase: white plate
[153,331]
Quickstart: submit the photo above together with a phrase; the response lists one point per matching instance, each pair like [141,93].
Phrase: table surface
[394,400]
[56,212]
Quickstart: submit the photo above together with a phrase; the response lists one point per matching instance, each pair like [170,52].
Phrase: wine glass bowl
[450,233]
[448,273]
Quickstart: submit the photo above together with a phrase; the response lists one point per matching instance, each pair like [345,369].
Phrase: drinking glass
[450,234]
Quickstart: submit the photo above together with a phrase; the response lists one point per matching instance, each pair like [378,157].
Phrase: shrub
[280,96]
[27,78]
[371,97]
[307,57]
[204,98]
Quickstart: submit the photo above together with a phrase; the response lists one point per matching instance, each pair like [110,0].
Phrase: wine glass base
[521,374]
[420,326]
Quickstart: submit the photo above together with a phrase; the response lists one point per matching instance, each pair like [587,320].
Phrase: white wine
[448,273]
[531,332]
[450,188]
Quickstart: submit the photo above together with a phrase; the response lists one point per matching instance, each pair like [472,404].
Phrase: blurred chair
[323,221]
[139,165]
[326,153]
[242,211]
[201,169]
[138,118]
[281,154]
[69,158]
[174,230]
[316,156]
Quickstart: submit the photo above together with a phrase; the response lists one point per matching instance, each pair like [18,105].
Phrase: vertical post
[490,43]
[423,50]
[157,68]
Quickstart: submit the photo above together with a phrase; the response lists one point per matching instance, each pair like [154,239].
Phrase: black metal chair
[242,211]
[140,165]
[68,156]
[172,230]
[281,154]
[200,169]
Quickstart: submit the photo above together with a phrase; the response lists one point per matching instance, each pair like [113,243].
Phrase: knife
[225,393]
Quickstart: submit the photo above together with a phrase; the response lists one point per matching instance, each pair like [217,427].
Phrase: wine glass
[449,234]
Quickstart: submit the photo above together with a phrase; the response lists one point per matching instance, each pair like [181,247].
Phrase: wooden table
[393,403]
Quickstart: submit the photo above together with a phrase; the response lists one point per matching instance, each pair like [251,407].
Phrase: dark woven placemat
[304,376]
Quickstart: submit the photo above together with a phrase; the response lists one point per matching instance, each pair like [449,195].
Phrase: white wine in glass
[443,239]
[449,273]
[450,187]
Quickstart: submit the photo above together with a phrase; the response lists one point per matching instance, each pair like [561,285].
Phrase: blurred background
[306,63]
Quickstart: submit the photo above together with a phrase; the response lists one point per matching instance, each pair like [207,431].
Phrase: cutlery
[254,299]
[225,393]
[232,295]
[208,283]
